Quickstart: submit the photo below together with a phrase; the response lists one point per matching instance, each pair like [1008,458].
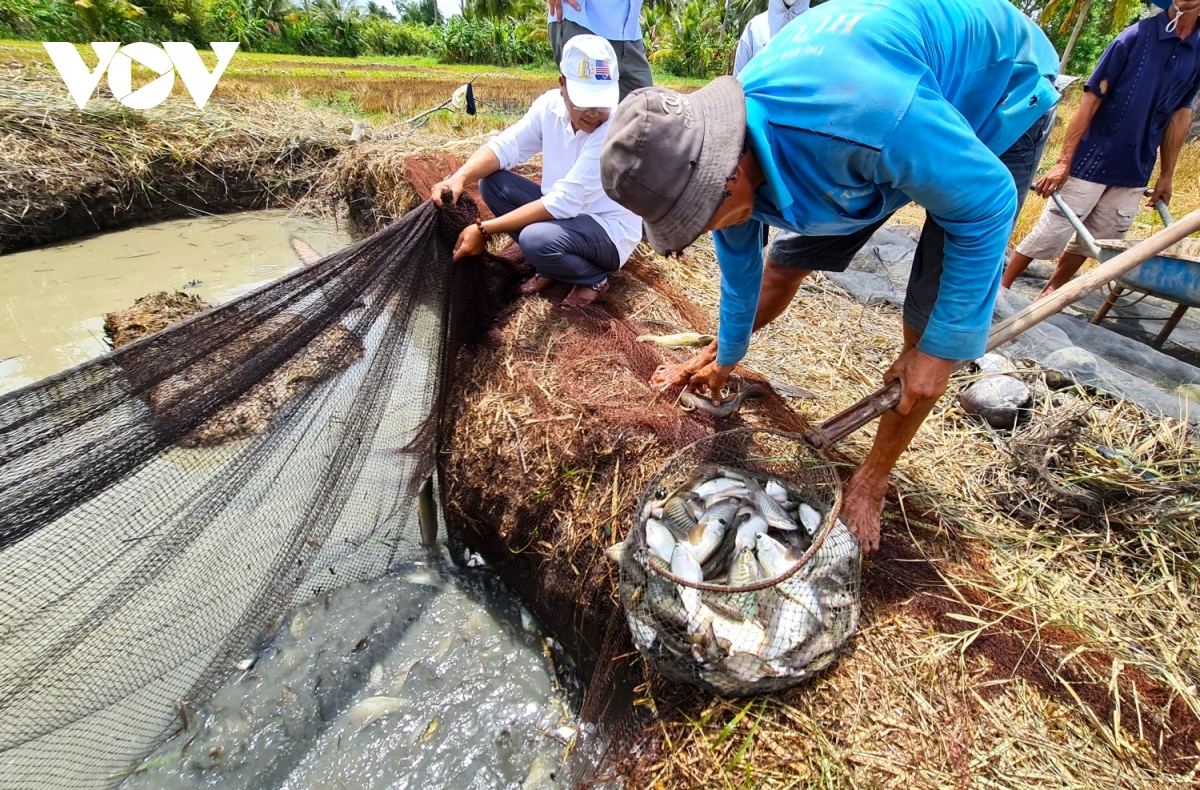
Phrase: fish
[744,667]
[815,648]
[810,519]
[742,571]
[836,555]
[678,517]
[684,565]
[720,485]
[704,539]
[643,633]
[718,561]
[790,624]
[304,251]
[748,532]
[615,552]
[680,340]
[791,390]
[769,508]
[540,774]
[776,492]
[659,539]
[734,636]
[430,730]
[690,401]
[373,708]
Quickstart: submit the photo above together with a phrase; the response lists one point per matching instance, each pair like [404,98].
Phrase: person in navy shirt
[1137,108]
[853,110]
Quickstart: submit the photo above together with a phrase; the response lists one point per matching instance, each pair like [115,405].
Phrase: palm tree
[1119,14]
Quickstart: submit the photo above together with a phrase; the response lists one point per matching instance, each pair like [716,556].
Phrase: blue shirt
[860,106]
[616,20]
[1151,75]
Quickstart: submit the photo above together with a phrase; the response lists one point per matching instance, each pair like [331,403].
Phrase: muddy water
[431,677]
[53,300]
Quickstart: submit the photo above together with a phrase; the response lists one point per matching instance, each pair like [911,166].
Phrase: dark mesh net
[162,505]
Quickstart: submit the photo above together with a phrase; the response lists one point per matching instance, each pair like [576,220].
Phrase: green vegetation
[686,38]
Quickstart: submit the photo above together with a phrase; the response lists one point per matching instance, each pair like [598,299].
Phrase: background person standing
[1137,107]
[619,21]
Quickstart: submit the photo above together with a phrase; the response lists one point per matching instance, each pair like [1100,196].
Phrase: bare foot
[862,506]
[535,284]
[582,295]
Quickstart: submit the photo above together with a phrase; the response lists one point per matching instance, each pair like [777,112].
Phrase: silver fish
[718,561]
[776,492]
[810,519]
[680,340]
[643,633]
[704,539]
[769,508]
[817,647]
[663,605]
[684,565]
[659,539]
[718,485]
[791,622]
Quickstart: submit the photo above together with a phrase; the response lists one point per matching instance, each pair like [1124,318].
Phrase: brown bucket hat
[668,155]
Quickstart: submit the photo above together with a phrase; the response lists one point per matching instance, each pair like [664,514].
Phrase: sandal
[583,295]
[535,284]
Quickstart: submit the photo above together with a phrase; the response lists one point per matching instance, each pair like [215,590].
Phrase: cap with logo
[667,156]
[590,67]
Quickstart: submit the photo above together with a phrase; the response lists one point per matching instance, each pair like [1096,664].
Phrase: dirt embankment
[67,172]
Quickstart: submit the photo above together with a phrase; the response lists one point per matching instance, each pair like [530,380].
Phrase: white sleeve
[745,50]
[523,139]
[581,186]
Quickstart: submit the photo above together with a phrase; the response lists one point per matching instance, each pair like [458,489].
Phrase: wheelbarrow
[1173,274]
[1115,267]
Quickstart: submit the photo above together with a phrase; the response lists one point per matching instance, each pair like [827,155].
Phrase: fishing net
[759,615]
[161,506]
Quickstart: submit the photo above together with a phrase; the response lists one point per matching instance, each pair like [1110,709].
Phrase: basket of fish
[737,575]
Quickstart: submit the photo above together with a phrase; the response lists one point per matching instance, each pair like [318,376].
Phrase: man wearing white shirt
[763,28]
[568,229]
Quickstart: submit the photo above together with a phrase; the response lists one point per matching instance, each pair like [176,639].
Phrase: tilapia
[810,519]
[643,633]
[691,401]
[718,560]
[769,508]
[373,708]
[684,565]
[776,492]
[680,340]
[794,618]
[704,539]
[721,485]
[678,516]
[659,539]
[742,571]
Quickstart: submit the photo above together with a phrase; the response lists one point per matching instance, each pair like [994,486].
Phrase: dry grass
[1011,638]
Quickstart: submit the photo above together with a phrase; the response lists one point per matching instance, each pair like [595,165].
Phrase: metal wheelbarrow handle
[1086,238]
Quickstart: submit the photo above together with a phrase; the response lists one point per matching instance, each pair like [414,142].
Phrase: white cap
[590,66]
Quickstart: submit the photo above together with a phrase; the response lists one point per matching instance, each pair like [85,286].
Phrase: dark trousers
[575,250]
[633,67]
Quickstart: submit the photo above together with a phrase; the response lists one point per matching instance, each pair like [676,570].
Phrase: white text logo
[118,61]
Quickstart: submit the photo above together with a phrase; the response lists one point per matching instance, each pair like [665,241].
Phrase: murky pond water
[53,300]
[431,677]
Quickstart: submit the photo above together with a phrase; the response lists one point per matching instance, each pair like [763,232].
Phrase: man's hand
[556,8]
[470,243]
[1163,188]
[923,377]
[1050,183]
[670,376]
[455,184]
[710,380]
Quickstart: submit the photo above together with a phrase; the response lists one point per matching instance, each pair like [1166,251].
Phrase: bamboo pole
[847,422]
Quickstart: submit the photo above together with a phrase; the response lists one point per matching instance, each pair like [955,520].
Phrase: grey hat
[668,155]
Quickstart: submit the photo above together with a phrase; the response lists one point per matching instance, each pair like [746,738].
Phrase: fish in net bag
[737,575]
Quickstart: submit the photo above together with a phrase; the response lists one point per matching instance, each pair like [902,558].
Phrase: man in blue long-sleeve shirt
[853,110]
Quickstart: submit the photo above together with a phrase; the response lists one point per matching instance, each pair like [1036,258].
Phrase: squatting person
[1137,106]
[567,228]
[853,110]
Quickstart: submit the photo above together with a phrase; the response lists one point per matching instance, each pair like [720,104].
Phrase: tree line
[689,38]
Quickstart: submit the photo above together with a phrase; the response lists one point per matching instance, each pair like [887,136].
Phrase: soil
[149,314]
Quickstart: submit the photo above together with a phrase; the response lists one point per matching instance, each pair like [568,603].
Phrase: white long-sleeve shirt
[762,28]
[570,168]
